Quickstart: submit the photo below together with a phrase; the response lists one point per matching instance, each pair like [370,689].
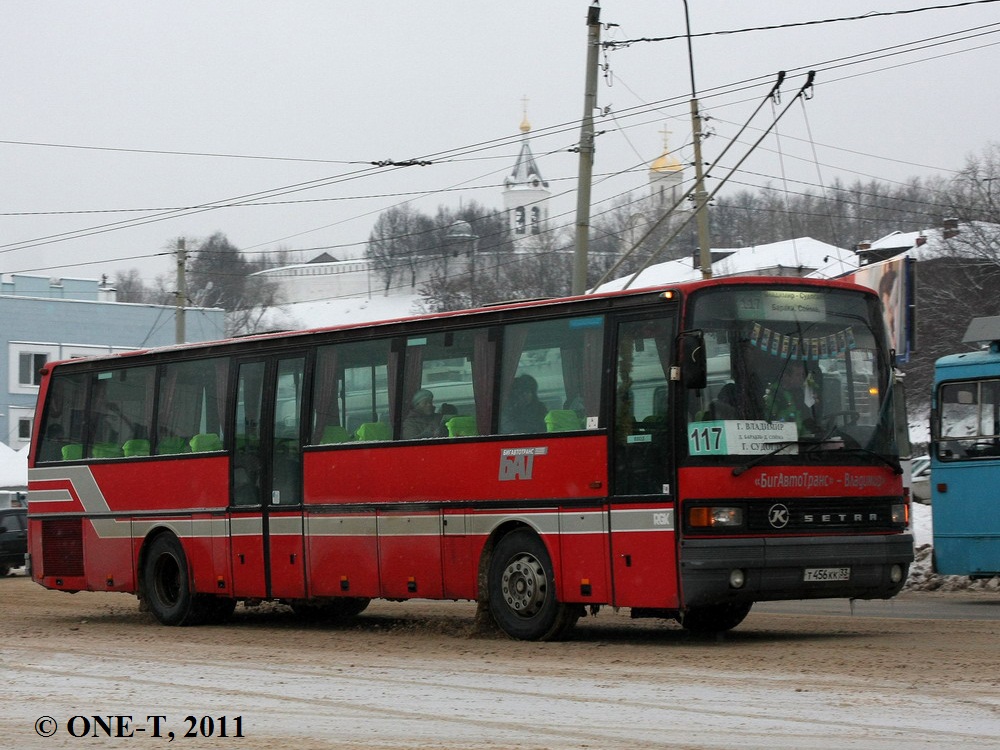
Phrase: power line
[863,17]
[459,153]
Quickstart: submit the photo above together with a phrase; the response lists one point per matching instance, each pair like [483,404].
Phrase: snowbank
[13,467]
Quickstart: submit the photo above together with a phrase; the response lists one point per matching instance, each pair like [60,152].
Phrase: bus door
[266,503]
[965,467]
[642,522]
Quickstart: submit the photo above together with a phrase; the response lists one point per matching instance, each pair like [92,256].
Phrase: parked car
[920,480]
[13,538]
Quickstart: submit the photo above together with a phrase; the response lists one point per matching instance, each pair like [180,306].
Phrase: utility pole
[586,152]
[699,195]
[180,296]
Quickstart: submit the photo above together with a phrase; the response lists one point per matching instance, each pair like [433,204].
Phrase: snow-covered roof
[802,256]
[937,241]
[343,310]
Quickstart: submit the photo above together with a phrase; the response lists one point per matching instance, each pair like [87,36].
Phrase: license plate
[827,574]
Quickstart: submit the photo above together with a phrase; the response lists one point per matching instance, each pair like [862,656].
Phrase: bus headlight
[710,517]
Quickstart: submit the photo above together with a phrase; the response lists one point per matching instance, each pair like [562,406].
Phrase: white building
[526,198]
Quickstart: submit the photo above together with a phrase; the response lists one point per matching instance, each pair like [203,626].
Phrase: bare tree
[221,276]
[400,242]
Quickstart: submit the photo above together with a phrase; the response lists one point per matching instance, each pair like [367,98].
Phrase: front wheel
[714,618]
[522,596]
[167,583]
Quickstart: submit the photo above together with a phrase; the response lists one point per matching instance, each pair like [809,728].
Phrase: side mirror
[694,363]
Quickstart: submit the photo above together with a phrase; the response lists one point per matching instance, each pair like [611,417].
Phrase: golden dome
[525,125]
[666,162]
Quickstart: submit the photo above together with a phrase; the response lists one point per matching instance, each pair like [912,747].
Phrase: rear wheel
[522,596]
[714,618]
[167,583]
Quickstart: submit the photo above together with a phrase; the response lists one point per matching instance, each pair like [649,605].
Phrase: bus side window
[550,375]
[62,431]
[121,412]
[192,401]
[351,388]
[455,370]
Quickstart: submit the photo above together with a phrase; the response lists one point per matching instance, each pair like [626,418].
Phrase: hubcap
[524,585]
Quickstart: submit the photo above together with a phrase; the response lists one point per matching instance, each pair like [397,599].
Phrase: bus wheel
[339,608]
[167,585]
[522,590]
[714,618]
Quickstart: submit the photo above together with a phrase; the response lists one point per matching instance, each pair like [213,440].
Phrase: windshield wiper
[892,463]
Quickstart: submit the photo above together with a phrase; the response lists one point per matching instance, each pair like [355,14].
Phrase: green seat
[72,452]
[562,420]
[136,447]
[461,426]
[206,441]
[106,450]
[373,431]
[334,433]
[173,444]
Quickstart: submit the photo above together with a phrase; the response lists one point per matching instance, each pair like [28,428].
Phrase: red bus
[638,449]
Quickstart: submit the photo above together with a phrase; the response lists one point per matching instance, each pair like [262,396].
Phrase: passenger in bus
[793,398]
[523,412]
[726,404]
[422,421]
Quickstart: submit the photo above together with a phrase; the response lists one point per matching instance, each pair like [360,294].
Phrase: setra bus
[636,449]
[965,456]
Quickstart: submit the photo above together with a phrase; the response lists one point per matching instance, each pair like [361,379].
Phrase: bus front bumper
[715,571]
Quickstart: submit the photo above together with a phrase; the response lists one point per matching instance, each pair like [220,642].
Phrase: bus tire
[714,618]
[167,583]
[522,596]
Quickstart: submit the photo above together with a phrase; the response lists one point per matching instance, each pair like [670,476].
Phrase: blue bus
[965,456]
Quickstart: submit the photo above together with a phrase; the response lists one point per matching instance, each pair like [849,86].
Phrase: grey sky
[321,89]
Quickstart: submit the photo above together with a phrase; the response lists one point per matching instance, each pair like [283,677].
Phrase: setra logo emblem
[778,516]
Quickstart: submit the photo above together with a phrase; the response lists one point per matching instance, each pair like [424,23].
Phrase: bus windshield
[791,368]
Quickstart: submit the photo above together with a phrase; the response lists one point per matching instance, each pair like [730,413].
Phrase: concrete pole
[700,197]
[180,296]
[586,152]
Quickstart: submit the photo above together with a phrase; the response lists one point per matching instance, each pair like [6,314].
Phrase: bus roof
[986,358]
[683,288]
